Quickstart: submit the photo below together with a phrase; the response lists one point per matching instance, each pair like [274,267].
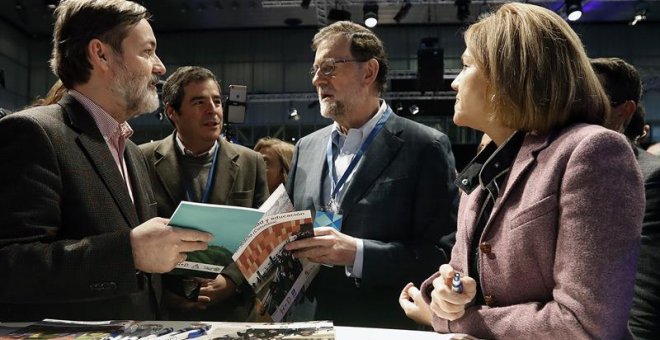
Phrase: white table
[341,332]
[360,333]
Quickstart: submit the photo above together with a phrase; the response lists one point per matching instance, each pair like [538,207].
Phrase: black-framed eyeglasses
[327,67]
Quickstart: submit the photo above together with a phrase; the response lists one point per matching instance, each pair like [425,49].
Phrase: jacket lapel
[468,218]
[225,172]
[168,171]
[524,161]
[378,156]
[316,168]
[471,212]
[317,178]
[94,146]
[138,181]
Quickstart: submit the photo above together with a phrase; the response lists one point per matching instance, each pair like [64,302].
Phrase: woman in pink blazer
[550,215]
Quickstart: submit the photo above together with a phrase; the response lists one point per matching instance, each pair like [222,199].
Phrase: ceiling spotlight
[399,107]
[462,9]
[293,114]
[370,10]
[402,12]
[640,15]
[414,109]
[51,4]
[573,9]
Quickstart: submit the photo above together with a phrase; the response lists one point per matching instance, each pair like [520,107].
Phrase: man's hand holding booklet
[254,239]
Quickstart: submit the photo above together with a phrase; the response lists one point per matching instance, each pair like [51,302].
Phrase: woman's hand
[414,306]
[446,303]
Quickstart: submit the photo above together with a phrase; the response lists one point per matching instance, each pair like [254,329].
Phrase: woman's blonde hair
[283,150]
[539,75]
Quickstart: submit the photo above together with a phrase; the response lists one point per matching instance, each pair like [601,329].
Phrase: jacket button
[490,300]
[485,247]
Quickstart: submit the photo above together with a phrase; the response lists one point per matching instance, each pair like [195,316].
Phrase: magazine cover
[267,331]
[70,329]
[169,330]
[278,279]
[230,226]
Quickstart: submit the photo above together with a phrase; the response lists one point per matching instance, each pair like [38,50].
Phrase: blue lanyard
[210,180]
[363,148]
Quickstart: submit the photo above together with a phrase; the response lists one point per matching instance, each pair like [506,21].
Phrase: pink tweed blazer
[559,253]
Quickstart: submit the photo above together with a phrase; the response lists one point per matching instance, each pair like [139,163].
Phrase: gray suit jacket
[65,219]
[240,181]
[401,201]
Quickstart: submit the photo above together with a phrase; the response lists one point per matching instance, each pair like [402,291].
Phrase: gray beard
[137,98]
[336,109]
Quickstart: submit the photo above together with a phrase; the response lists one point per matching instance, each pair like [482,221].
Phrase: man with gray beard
[384,185]
[77,235]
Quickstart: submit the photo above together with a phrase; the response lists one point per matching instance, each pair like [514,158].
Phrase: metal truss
[312,96]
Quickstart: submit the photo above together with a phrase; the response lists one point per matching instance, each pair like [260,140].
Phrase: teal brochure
[228,224]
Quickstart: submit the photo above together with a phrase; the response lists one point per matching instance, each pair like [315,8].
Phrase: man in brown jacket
[195,164]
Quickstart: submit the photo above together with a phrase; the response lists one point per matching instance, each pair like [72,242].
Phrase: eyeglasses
[327,67]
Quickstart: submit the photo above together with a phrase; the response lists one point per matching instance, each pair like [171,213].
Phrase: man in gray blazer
[77,237]
[195,164]
[389,178]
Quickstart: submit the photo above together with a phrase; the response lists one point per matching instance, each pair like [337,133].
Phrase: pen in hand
[456,285]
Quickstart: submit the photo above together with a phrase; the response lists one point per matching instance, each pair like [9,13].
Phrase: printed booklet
[254,239]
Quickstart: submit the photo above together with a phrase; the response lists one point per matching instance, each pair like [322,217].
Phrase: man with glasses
[384,185]
[195,164]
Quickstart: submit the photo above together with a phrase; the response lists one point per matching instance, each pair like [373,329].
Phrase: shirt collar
[187,152]
[108,126]
[491,163]
[338,138]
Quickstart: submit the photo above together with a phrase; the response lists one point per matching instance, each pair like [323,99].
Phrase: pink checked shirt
[115,134]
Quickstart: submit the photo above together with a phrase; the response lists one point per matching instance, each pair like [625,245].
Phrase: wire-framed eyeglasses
[327,66]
